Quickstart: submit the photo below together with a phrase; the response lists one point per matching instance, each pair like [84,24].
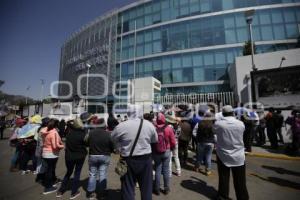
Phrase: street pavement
[267,178]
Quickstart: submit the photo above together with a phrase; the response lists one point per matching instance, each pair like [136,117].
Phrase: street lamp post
[27,89]
[87,86]
[249,18]
[282,59]
[42,89]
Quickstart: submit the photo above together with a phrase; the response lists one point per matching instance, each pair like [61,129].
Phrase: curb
[273,156]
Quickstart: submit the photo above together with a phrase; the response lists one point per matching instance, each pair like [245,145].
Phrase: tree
[247,48]
[1,82]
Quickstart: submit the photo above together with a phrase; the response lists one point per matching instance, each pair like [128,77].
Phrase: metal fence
[220,98]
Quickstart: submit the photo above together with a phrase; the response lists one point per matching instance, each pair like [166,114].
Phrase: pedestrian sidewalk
[267,152]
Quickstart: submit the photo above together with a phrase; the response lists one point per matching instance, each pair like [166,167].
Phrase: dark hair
[271,109]
[148,116]
[52,124]
[228,114]
[45,122]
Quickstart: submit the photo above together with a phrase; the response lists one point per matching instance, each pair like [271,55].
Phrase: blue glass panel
[131,40]
[140,38]
[139,22]
[208,59]
[289,15]
[279,32]
[230,36]
[198,74]
[292,30]
[148,20]
[140,11]
[148,66]
[157,64]
[156,34]
[140,67]
[186,61]
[132,14]
[177,76]
[167,77]
[139,50]
[165,4]
[264,18]
[165,15]
[148,8]
[277,16]
[157,47]
[205,6]
[166,62]
[197,60]
[148,48]
[148,36]
[227,4]
[194,6]
[266,33]
[256,33]
[240,20]
[242,34]
[155,6]
[184,10]
[124,69]
[229,21]
[187,76]
[176,62]
[130,52]
[298,14]
[156,18]
[130,68]
[220,58]
[125,54]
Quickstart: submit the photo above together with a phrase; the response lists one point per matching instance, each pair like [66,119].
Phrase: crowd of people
[147,144]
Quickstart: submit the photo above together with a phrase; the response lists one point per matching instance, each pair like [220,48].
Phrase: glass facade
[180,41]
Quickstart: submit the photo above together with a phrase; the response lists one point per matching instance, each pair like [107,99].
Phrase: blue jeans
[71,165]
[161,166]
[204,154]
[98,165]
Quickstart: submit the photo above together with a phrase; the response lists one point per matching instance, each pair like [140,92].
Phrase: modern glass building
[186,44]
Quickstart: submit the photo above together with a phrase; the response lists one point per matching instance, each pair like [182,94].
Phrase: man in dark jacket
[100,147]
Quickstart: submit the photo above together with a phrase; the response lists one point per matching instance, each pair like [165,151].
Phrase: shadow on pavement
[280,170]
[197,185]
[280,182]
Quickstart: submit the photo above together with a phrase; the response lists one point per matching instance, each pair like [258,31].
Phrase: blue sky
[31,35]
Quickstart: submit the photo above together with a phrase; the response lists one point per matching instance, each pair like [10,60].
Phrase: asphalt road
[266,179]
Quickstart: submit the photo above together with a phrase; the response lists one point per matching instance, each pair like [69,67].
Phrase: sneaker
[91,195]
[166,191]
[23,172]
[28,171]
[35,172]
[207,173]
[50,190]
[156,192]
[74,196]
[59,194]
[57,182]
[178,173]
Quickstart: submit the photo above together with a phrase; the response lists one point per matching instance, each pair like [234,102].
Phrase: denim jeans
[98,166]
[174,154]
[71,165]
[161,166]
[204,153]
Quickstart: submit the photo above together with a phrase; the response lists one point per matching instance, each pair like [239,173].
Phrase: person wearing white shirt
[230,154]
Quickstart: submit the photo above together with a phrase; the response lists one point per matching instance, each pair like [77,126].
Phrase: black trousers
[183,151]
[71,165]
[50,176]
[140,169]
[272,135]
[239,181]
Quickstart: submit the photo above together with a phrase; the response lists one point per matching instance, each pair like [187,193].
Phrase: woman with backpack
[162,154]
[205,141]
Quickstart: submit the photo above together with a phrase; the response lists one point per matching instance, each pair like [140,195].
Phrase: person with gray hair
[140,162]
[230,154]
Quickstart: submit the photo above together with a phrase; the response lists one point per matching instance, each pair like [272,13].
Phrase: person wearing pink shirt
[52,144]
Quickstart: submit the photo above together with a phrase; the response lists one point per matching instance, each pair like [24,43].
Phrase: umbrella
[28,130]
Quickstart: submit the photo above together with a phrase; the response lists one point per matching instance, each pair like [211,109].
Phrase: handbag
[122,167]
